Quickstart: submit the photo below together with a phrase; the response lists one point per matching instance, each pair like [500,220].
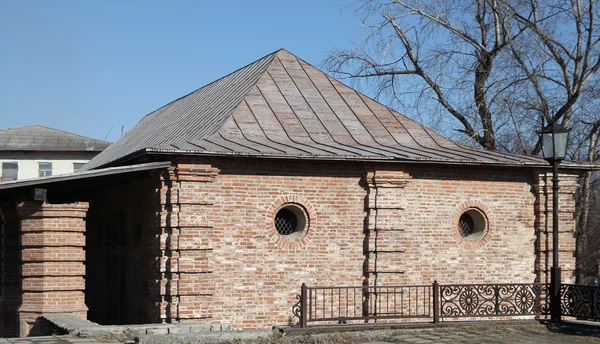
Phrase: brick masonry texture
[380,224]
[196,243]
[52,254]
[543,223]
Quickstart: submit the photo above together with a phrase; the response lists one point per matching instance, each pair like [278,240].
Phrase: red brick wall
[196,243]
[568,184]
[433,200]
[52,260]
[227,265]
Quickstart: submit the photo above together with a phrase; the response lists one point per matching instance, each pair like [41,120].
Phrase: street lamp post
[554,146]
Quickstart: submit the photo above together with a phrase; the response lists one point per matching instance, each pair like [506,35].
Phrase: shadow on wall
[11,289]
[121,251]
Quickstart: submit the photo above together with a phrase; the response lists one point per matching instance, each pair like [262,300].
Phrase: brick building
[216,207]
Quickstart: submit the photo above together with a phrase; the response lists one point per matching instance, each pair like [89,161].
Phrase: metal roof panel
[282,107]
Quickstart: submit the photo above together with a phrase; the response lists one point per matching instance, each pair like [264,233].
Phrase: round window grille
[291,221]
[286,222]
[472,224]
[465,225]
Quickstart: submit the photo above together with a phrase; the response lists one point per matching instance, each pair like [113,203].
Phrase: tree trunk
[482,73]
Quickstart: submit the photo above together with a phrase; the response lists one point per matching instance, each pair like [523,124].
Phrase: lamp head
[554,142]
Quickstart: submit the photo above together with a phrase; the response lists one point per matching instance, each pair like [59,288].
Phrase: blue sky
[84,66]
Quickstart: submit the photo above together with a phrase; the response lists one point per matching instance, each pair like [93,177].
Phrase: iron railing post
[303,305]
[592,300]
[497,300]
[436,302]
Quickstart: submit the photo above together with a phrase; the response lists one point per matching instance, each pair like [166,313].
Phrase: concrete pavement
[54,340]
[480,333]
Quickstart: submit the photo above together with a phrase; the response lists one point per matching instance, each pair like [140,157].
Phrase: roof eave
[85,174]
[545,165]
[124,159]
[55,150]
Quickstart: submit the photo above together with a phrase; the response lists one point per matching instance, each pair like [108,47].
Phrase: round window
[472,224]
[290,221]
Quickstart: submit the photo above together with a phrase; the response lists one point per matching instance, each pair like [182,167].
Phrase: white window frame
[45,174]
[75,170]
[12,163]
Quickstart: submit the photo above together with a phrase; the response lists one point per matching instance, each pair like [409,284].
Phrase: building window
[472,224]
[291,221]
[44,169]
[77,166]
[10,171]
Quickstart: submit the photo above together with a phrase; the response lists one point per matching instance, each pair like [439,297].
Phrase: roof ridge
[57,130]
[213,82]
[42,138]
[270,57]
[282,106]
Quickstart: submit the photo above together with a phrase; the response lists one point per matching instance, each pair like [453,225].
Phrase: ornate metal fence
[580,301]
[487,300]
[435,302]
[428,302]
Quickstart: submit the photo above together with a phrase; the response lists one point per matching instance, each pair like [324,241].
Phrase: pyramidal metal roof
[39,138]
[281,106]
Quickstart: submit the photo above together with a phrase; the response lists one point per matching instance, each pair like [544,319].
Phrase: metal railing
[488,300]
[580,301]
[428,302]
[341,304]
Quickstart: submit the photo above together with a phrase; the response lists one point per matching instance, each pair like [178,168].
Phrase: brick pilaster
[568,184]
[52,256]
[186,229]
[385,232]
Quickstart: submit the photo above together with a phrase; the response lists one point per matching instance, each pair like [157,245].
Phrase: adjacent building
[37,151]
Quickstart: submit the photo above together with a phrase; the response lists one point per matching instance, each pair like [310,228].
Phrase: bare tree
[494,66]
[586,139]
[491,70]
[588,240]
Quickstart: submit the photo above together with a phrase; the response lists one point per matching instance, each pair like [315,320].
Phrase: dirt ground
[530,333]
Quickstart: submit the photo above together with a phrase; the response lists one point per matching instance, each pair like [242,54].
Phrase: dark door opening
[121,251]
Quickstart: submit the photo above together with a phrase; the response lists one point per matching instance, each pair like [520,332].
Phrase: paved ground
[503,335]
[530,333]
[53,340]
[527,333]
